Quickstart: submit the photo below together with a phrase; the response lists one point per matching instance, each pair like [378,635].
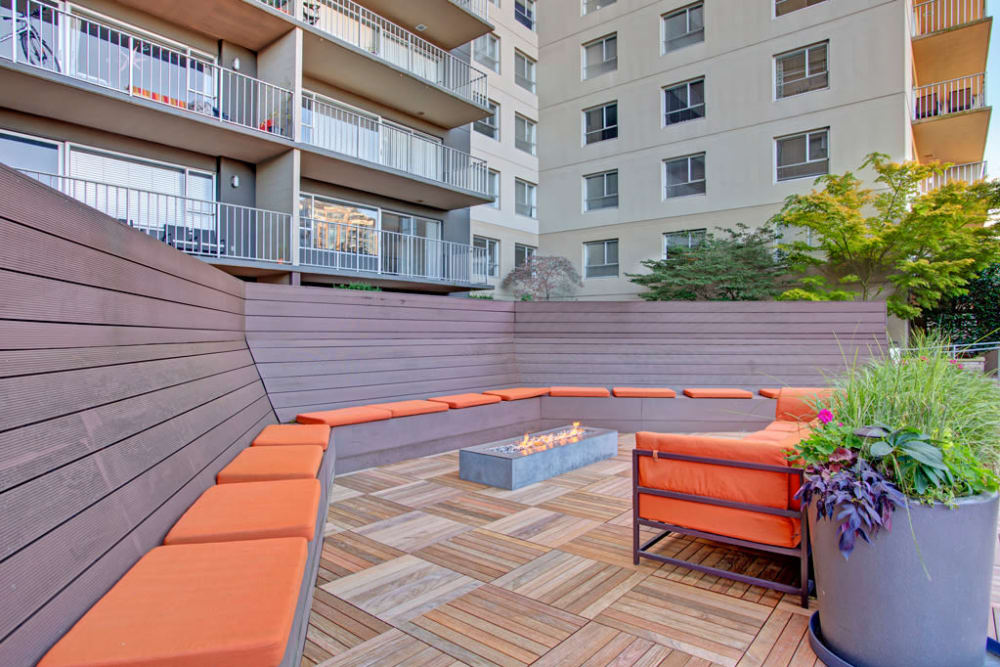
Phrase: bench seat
[588,392]
[228,604]
[459,401]
[410,408]
[769,392]
[717,393]
[294,434]
[344,416]
[644,392]
[518,393]
[263,464]
[250,511]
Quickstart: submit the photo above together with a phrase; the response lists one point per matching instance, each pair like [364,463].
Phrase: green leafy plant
[361,287]
[482,297]
[973,316]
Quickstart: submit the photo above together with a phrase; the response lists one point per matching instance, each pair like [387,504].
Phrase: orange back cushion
[796,404]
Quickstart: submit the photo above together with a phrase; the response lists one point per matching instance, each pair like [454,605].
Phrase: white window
[684,101]
[600,190]
[522,253]
[684,27]
[492,248]
[486,51]
[524,134]
[685,176]
[600,56]
[689,238]
[490,126]
[782,7]
[803,155]
[18,151]
[600,123]
[524,13]
[593,5]
[802,70]
[493,185]
[495,3]
[525,194]
[524,71]
[600,259]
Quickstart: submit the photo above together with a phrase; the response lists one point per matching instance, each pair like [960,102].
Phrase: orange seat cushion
[458,401]
[644,392]
[344,416]
[769,393]
[717,393]
[595,392]
[293,434]
[227,604]
[250,511]
[777,531]
[410,408]
[264,464]
[518,393]
[798,403]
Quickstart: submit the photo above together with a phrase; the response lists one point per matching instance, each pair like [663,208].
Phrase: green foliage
[970,317]
[922,248]
[361,287]
[735,265]
[543,278]
[823,442]
[482,297]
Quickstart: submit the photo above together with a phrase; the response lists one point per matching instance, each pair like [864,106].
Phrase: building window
[684,27]
[685,176]
[803,155]
[600,56]
[524,134]
[689,238]
[493,186]
[522,253]
[600,190]
[495,3]
[782,7]
[525,194]
[490,126]
[524,13]
[600,259]
[524,71]
[593,5]
[801,70]
[600,123]
[486,50]
[29,153]
[685,101]
[492,248]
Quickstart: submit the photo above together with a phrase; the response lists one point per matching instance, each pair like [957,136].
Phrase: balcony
[83,71]
[965,173]
[388,158]
[241,236]
[950,38]
[447,23]
[950,120]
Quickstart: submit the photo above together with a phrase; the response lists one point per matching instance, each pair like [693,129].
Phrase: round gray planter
[878,608]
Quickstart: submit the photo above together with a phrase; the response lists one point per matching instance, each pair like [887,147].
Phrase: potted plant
[901,485]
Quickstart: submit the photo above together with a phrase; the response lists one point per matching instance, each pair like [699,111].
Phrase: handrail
[108,56]
[936,15]
[963,93]
[970,172]
[480,8]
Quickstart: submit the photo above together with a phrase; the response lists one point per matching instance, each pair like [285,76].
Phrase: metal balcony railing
[349,22]
[341,246]
[966,173]
[330,126]
[935,15]
[50,39]
[480,8]
[193,226]
[946,97]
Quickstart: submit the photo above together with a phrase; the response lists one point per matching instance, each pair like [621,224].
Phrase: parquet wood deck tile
[588,505]
[423,468]
[336,626]
[346,553]
[392,649]
[363,510]
[596,645]
[370,481]
[452,479]
[614,486]
[482,554]
[474,509]
[542,526]
[533,494]
[413,531]
[418,494]
[611,544]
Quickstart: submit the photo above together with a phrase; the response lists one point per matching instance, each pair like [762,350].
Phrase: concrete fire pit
[517,462]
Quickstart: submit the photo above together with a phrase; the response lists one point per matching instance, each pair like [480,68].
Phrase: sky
[992,156]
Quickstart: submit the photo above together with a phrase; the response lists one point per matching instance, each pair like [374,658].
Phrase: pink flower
[840,423]
[923,358]
[959,366]
[824,416]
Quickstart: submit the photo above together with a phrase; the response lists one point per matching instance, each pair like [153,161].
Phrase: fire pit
[517,462]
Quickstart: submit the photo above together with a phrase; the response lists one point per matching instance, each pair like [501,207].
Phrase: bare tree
[543,278]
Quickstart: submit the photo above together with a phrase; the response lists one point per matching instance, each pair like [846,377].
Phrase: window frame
[532,190]
[529,252]
[587,206]
[489,38]
[699,233]
[61,147]
[494,176]
[483,122]
[689,158]
[527,18]
[531,140]
[585,67]
[617,264]
[807,134]
[807,5]
[604,127]
[778,88]
[530,66]
[689,107]
[599,5]
[492,262]
[686,10]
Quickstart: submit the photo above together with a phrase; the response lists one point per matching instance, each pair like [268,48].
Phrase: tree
[971,317]
[736,265]
[543,278]
[921,247]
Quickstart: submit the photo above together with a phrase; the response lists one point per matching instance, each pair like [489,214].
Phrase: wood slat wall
[319,349]
[125,385]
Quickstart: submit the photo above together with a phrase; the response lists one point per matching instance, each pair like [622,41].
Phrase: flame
[531,444]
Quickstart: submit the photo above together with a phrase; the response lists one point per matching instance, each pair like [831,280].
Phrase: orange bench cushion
[518,393]
[228,604]
[293,434]
[797,403]
[250,511]
[264,464]
[644,392]
[595,392]
[717,393]
[458,401]
[769,393]
[410,408]
[344,416]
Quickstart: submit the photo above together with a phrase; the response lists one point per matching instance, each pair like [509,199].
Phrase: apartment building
[507,228]
[662,119]
[302,141]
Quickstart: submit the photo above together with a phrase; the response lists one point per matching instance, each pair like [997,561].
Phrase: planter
[878,609]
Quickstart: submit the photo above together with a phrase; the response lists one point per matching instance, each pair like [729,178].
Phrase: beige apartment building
[661,119]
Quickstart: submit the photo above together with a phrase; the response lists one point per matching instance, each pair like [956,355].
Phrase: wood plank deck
[420,568]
